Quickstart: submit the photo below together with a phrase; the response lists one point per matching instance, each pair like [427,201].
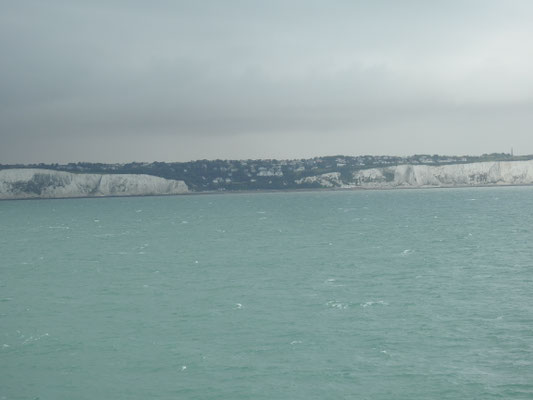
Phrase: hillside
[230,175]
[137,179]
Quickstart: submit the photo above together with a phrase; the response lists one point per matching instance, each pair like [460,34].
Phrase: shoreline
[266,191]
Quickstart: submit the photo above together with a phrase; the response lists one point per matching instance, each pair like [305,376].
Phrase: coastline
[274,191]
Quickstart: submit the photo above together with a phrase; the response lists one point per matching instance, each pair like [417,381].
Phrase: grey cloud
[251,79]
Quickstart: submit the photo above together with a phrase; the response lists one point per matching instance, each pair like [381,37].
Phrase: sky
[172,80]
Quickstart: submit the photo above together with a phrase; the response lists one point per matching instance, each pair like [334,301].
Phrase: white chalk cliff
[474,174]
[329,180]
[43,183]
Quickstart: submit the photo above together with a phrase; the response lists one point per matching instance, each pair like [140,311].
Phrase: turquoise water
[413,294]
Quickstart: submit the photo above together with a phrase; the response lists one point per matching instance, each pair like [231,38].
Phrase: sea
[391,294]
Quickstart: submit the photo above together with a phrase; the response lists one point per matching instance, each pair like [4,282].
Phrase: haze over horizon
[121,81]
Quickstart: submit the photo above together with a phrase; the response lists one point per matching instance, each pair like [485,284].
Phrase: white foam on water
[330,282]
[337,305]
[183,367]
[184,222]
[296,342]
[406,252]
[238,306]
[138,211]
[371,303]
[34,339]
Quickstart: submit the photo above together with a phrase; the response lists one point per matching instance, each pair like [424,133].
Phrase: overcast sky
[170,80]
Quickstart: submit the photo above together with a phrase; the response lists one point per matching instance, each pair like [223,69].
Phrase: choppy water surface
[415,294]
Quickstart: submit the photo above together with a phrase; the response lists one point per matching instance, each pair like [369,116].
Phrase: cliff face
[480,173]
[41,183]
[483,173]
[329,180]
